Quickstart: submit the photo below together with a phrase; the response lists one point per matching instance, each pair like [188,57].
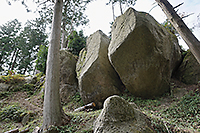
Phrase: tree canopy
[19,46]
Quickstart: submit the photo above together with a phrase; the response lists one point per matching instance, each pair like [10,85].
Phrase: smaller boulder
[31,79]
[68,80]
[120,116]
[4,87]
[25,119]
[188,72]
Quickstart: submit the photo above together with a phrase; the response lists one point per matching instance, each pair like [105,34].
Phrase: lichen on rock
[118,115]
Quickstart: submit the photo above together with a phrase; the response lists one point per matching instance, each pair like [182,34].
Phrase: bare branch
[187,15]
[178,5]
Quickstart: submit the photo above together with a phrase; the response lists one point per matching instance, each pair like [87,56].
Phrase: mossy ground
[175,112]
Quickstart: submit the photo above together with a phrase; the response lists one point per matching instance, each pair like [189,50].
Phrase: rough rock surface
[68,80]
[4,86]
[189,70]
[143,53]
[80,62]
[118,116]
[97,78]
[31,79]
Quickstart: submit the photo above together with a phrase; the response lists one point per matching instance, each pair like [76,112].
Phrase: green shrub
[12,112]
[11,79]
[186,112]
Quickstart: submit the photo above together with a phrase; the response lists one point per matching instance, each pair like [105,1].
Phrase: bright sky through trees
[100,14]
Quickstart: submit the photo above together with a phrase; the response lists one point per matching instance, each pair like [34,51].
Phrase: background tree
[76,42]
[9,41]
[42,58]
[33,36]
[19,46]
[72,16]
[197,25]
[128,3]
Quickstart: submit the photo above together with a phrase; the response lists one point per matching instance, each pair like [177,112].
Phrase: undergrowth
[81,122]
[168,114]
[11,78]
[12,113]
[178,115]
[17,83]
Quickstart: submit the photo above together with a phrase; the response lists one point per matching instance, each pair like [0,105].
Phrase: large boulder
[143,53]
[189,70]
[118,116]
[68,80]
[96,76]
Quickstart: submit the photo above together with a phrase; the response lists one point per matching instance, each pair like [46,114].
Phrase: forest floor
[175,112]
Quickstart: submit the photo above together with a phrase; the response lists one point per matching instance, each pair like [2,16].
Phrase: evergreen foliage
[77,41]
[18,46]
[42,58]
[167,24]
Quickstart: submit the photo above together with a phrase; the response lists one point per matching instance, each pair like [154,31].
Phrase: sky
[100,14]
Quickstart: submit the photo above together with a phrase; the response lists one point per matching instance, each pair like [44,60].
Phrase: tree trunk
[120,5]
[113,11]
[63,36]
[24,72]
[52,106]
[71,24]
[192,42]
[13,64]
[12,59]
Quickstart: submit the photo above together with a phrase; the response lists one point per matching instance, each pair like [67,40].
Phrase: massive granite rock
[118,116]
[68,80]
[96,76]
[143,53]
[189,70]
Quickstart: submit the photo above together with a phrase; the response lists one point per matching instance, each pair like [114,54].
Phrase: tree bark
[64,43]
[13,64]
[12,59]
[113,11]
[63,36]
[71,24]
[52,107]
[192,42]
[120,5]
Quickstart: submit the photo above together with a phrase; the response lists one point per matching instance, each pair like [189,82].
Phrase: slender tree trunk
[120,5]
[192,42]
[71,24]
[64,40]
[52,112]
[13,64]
[63,43]
[113,11]
[24,71]
[12,59]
